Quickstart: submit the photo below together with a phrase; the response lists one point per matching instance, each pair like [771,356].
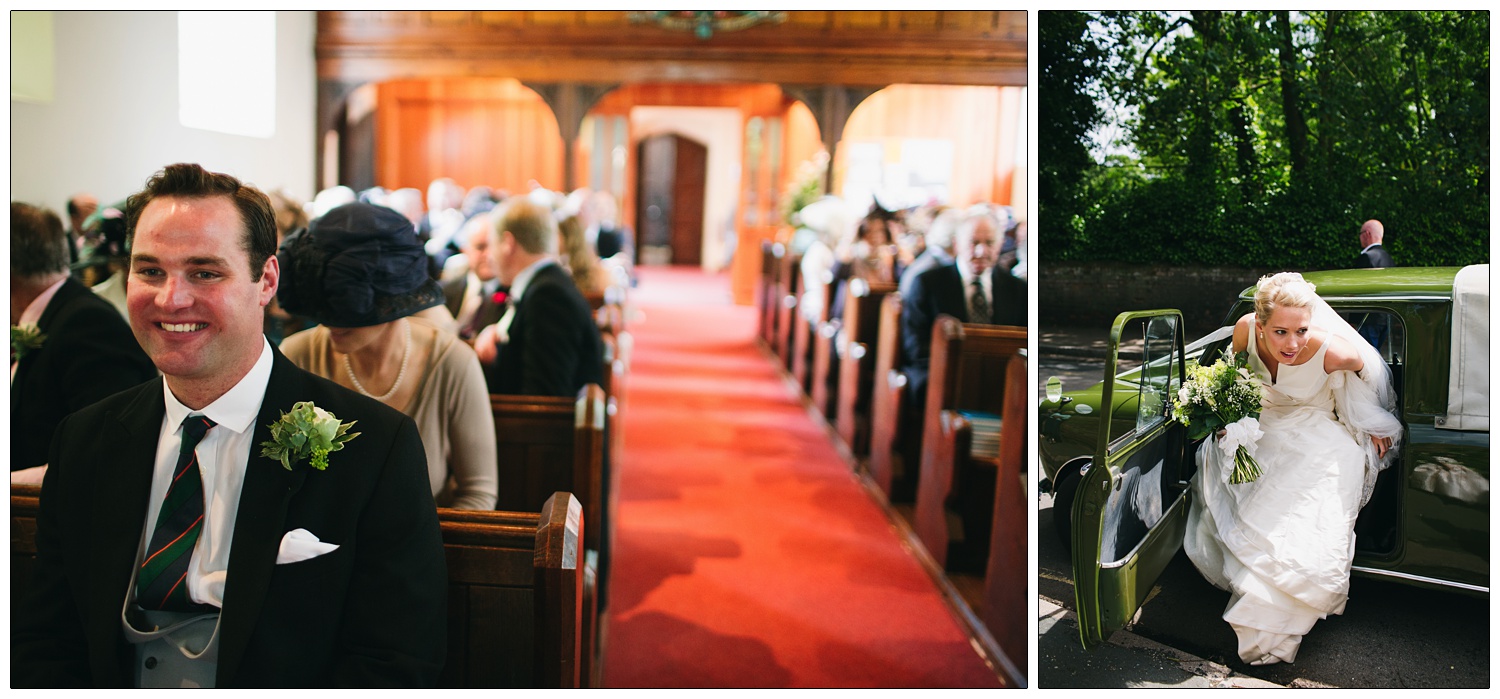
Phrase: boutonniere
[307,432]
[24,338]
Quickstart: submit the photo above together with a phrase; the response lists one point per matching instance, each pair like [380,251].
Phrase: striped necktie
[979,306]
[162,583]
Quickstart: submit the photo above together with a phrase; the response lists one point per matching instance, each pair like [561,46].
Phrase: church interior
[740,502]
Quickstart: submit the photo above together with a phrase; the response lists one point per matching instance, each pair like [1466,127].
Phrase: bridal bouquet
[1224,396]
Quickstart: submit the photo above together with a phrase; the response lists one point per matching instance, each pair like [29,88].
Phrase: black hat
[355,266]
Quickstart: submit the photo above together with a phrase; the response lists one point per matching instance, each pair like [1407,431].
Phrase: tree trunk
[1291,98]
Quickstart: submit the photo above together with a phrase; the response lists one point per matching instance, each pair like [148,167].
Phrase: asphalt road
[1390,635]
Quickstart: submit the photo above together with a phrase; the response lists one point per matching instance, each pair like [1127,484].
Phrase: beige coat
[451,409]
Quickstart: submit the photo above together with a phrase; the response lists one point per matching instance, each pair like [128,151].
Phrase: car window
[1157,371]
[1382,329]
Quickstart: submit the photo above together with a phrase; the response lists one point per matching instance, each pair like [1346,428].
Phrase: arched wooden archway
[829,60]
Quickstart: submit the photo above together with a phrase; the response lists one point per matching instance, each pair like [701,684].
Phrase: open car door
[1132,501]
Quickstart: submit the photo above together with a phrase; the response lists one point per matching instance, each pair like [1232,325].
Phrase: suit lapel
[259,523]
[120,495]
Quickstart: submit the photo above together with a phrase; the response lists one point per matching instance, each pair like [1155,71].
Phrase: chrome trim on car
[1421,579]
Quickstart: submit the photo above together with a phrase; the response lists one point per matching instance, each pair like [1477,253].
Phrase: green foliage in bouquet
[1217,396]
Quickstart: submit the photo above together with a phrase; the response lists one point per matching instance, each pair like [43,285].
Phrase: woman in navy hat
[361,273]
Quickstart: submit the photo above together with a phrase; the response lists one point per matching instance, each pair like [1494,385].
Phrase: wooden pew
[887,397]
[856,356]
[1004,609]
[966,372]
[823,383]
[789,289]
[514,590]
[766,297]
[805,330]
[546,444]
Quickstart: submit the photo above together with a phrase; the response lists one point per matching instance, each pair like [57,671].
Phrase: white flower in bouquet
[1225,397]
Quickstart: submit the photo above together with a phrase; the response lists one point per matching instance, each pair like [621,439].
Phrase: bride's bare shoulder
[1242,329]
[1341,356]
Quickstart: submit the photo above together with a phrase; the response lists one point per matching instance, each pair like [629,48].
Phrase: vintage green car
[1118,468]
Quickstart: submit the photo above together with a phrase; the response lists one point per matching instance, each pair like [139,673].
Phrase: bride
[1282,545]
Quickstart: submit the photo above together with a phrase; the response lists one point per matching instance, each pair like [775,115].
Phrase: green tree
[1267,137]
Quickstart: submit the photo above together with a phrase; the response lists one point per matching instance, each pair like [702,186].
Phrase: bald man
[1373,255]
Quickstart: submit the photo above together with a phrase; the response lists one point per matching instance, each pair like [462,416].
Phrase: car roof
[1393,282]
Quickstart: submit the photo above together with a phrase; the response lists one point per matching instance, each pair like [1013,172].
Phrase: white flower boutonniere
[307,432]
[24,338]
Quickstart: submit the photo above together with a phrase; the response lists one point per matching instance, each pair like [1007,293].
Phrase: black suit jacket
[89,353]
[554,347]
[941,290]
[371,613]
[1374,257]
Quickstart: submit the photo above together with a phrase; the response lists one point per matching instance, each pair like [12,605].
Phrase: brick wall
[1092,294]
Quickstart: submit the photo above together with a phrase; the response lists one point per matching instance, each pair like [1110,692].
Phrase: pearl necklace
[405,355]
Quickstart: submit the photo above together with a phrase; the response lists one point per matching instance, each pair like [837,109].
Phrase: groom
[298,578]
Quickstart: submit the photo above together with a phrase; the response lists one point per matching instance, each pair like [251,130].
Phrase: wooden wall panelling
[492,132]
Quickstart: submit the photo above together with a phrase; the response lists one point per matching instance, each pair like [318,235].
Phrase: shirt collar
[966,273]
[38,305]
[1367,248]
[237,408]
[523,279]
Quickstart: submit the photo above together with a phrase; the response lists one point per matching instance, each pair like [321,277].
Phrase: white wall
[113,120]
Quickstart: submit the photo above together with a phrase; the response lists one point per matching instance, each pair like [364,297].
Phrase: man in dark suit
[162,563]
[547,343]
[973,289]
[952,289]
[1375,328]
[83,350]
[1374,254]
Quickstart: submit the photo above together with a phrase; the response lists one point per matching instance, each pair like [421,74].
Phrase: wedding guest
[109,253]
[870,255]
[338,574]
[547,343]
[80,207]
[938,250]
[578,255]
[69,347]
[1374,254]
[359,272]
[473,296]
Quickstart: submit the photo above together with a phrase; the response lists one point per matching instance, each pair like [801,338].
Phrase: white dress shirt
[222,457]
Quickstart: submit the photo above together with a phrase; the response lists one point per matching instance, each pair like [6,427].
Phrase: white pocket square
[300,545]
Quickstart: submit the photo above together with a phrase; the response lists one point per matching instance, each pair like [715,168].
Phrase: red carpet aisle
[747,553]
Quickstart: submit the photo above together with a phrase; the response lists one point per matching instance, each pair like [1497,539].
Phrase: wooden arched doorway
[672,177]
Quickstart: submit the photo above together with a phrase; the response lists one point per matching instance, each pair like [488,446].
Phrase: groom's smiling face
[194,305]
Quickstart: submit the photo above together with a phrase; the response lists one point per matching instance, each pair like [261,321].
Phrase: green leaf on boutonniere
[24,338]
[306,432]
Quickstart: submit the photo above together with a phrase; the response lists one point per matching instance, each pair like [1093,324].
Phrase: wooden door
[670,200]
[689,189]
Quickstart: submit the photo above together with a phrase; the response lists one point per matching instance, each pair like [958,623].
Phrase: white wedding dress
[1282,545]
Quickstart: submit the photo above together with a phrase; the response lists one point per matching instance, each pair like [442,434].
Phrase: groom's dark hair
[190,180]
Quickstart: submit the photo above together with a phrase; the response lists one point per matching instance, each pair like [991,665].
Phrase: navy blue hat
[357,265]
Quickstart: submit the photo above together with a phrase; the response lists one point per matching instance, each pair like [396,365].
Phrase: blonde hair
[532,225]
[583,262]
[1284,289]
